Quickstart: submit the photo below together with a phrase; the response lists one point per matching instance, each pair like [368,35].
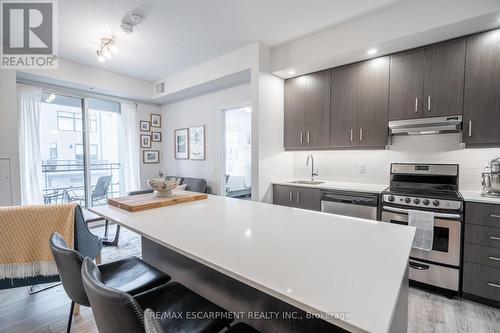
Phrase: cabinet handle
[308,136]
[290,199]
[495,238]
[494,258]
[470,127]
[361,134]
[495,216]
[301,138]
[491,284]
[298,197]
[428,103]
[351,134]
[416,104]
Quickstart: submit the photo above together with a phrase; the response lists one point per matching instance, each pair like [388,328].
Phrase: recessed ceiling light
[291,72]
[371,51]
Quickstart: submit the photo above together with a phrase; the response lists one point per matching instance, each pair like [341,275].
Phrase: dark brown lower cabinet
[481,271]
[298,197]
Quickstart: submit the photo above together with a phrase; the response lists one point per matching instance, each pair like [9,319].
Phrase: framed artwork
[145,141]
[156,136]
[155,120]
[150,156]
[144,125]
[197,143]
[181,144]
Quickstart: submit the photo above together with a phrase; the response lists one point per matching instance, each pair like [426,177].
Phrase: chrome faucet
[313,173]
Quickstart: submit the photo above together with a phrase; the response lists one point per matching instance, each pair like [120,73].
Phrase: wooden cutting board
[136,203]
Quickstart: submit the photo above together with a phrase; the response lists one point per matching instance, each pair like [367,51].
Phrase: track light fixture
[106,48]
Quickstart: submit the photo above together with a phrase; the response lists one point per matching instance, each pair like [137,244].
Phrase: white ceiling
[178,34]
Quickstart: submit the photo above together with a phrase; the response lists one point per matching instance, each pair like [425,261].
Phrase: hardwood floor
[47,311]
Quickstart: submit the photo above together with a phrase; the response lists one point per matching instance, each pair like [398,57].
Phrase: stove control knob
[390,198]
[426,202]
[407,200]
[435,203]
[416,201]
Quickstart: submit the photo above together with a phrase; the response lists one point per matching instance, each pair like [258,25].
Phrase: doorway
[237,152]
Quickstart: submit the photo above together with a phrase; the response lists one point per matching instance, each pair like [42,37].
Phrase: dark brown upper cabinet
[360,98]
[307,111]
[482,90]
[406,85]
[295,112]
[317,133]
[373,103]
[444,78]
[427,82]
[344,106]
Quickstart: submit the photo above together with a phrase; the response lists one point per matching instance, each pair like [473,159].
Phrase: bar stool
[116,311]
[132,275]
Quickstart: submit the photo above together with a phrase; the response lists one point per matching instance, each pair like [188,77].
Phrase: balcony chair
[99,193]
[131,275]
[116,311]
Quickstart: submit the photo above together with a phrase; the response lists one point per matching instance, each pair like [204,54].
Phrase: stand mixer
[491,179]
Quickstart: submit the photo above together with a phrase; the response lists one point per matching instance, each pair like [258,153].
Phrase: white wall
[8,130]
[345,165]
[149,170]
[77,76]
[201,110]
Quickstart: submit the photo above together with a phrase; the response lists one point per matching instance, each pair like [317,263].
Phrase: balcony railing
[63,180]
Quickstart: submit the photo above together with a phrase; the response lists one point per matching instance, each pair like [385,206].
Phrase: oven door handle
[420,267]
[405,211]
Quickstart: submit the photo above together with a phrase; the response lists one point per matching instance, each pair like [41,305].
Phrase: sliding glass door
[79,146]
[104,150]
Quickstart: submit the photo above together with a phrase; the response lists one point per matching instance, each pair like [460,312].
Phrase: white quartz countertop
[475,196]
[345,186]
[320,263]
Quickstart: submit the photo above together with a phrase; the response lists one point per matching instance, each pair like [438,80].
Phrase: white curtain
[129,149]
[29,101]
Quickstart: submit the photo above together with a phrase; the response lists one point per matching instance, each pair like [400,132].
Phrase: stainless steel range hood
[422,126]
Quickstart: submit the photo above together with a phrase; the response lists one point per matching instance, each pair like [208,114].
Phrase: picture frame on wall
[156,136]
[155,120]
[197,143]
[145,141]
[181,145]
[151,156]
[144,126]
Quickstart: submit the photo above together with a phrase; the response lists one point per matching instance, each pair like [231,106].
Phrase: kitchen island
[255,257]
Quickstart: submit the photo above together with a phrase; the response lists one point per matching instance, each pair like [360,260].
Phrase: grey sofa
[193,184]
[88,244]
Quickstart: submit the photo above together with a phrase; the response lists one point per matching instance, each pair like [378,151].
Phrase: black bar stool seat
[132,275]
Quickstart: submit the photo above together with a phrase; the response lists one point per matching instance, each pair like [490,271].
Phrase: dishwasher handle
[354,199]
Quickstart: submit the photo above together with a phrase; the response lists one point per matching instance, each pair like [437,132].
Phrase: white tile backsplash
[344,165]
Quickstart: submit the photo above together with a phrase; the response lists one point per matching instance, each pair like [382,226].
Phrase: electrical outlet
[362,169]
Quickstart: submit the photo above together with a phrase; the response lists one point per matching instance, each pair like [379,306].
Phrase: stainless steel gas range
[429,187]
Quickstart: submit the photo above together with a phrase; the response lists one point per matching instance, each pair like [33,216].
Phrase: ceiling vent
[160,88]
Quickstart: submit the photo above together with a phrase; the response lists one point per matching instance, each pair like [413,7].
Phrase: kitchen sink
[307,182]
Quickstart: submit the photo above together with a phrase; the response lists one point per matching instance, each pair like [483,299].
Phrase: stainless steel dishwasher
[362,205]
